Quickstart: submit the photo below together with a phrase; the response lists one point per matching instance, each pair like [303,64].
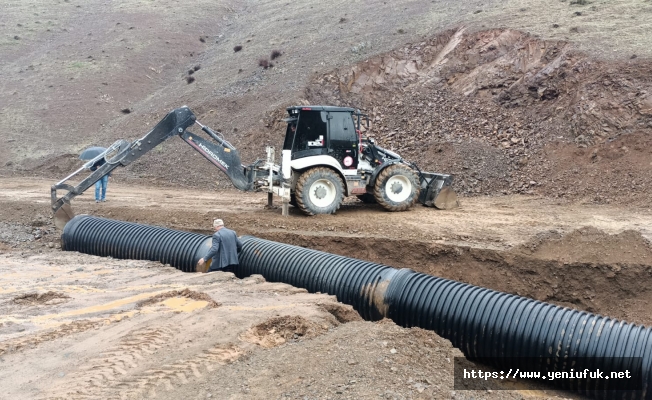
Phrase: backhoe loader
[325,157]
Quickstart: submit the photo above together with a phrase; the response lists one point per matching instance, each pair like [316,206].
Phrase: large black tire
[319,191]
[367,198]
[397,188]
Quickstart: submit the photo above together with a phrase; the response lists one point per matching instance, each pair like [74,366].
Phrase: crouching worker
[224,250]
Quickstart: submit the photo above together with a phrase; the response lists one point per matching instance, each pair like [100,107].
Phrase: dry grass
[606,28]
[263,62]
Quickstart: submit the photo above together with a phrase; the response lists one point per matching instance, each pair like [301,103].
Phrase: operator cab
[323,130]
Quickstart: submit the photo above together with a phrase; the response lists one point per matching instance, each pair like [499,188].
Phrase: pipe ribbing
[513,331]
[127,240]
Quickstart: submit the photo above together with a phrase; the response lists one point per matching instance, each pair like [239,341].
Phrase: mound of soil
[187,293]
[507,113]
[278,330]
[590,245]
[359,360]
[47,298]
[342,312]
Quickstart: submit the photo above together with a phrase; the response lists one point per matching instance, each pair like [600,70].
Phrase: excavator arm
[122,153]
[224,156]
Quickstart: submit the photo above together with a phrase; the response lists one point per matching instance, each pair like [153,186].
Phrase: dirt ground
[125,329]
[79,326]
[506,112]
[542,111]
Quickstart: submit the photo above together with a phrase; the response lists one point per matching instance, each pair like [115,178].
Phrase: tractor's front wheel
[397,188]
[319,191]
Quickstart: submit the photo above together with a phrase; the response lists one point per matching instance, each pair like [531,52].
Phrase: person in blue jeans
[100,185]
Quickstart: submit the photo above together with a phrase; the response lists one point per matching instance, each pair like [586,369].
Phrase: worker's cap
[218,222]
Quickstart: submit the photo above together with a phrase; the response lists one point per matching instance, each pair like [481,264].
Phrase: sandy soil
[127,328]
[75,326]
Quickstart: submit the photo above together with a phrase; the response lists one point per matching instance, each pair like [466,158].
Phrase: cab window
[342,129]
[312,130]
[289,136]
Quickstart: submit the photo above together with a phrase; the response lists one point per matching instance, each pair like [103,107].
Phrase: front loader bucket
[446,199]
[437,192]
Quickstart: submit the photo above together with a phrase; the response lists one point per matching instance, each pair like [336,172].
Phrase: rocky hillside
[507,113]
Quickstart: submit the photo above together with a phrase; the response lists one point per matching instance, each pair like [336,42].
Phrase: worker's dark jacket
[224,250]
[98,164]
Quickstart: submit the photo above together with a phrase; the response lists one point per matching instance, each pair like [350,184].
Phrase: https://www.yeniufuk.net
[550,375]
[588,373]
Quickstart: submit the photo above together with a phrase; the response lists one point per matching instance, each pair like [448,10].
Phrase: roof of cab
[321,108]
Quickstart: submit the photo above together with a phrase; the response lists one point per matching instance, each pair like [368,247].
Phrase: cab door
[343,139]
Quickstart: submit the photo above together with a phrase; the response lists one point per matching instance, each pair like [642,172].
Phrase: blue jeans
[101,184]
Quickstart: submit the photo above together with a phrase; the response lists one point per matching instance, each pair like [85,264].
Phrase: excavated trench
[605,274]
[508,331]
[618,290]
[598,275]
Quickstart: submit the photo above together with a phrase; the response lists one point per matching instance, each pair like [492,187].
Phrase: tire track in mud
[18,344]
[117,373]
[179,373]
[106,369]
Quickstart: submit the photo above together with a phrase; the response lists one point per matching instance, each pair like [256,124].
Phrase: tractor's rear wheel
[397,188]
[319,191]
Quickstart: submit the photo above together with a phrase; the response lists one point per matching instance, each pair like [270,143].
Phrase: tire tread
[379,185]
[302,185]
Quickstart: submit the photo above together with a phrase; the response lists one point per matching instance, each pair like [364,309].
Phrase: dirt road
[499,223]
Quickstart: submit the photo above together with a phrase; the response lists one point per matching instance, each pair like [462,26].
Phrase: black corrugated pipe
[127,240]
[507,330]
